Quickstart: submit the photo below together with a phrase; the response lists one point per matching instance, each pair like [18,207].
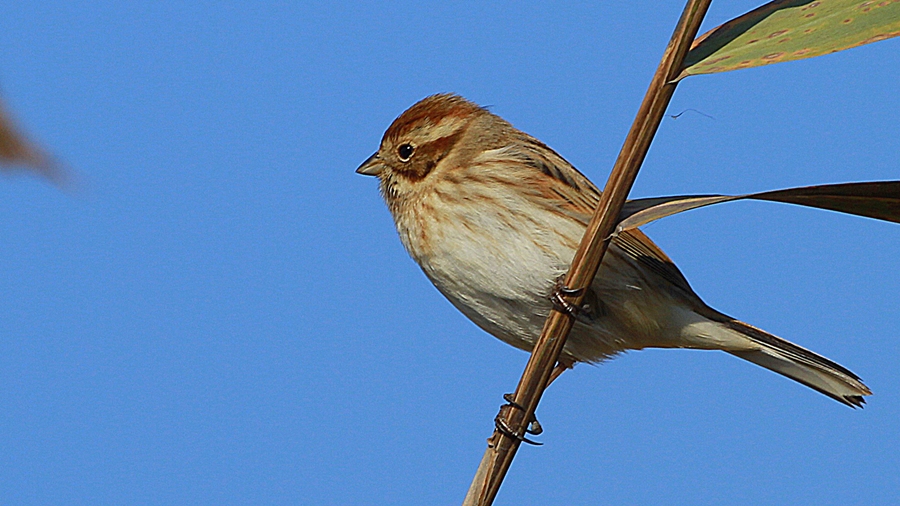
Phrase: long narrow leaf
[879,200]
[786,30]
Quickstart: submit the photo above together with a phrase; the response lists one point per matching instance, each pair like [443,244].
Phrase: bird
[493,217]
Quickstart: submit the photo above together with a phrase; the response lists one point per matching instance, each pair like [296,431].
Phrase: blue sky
[223,314]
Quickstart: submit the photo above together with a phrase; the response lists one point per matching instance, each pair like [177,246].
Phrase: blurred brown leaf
[18,153]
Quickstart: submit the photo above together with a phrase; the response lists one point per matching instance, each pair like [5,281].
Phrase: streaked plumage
[493,217]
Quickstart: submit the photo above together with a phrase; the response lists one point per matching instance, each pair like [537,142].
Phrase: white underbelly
[500,273]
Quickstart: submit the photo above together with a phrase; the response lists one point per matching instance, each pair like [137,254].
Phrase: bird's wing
[578,197]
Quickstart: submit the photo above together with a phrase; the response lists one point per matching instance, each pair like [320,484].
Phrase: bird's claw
[534,427]
[558,298]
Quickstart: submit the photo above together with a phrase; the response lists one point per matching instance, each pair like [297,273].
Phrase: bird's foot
[534,427]
[558,298]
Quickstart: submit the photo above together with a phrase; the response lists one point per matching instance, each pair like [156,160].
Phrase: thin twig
[502,446]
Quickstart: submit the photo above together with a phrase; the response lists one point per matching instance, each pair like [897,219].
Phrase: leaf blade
[787,30]
[878,200]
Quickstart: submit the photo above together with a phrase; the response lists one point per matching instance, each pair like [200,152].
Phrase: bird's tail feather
[798,363]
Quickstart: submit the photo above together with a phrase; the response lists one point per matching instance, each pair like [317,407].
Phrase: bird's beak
[371,167]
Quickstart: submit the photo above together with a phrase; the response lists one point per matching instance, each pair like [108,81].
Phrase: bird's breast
[495,258]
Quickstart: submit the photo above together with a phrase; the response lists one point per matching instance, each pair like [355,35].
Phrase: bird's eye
[405,151]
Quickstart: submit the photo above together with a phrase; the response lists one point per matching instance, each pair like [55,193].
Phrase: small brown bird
[493,217]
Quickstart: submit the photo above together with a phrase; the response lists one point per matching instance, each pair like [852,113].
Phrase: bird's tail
[797,363]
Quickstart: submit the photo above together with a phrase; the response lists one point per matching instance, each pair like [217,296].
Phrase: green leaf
[878,199]
[786,30]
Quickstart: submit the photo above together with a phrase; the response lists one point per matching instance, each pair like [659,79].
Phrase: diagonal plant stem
[502,446]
